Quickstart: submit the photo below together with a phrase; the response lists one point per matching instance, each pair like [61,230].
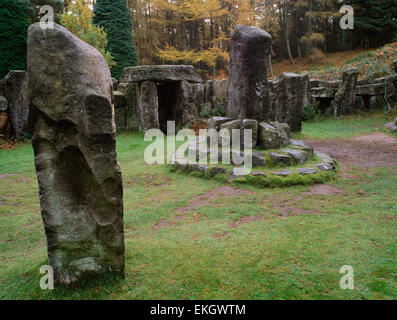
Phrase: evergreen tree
[14,24]
[375,21]
[114,16]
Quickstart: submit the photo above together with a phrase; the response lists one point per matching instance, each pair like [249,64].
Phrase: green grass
[346,127]
[207,252]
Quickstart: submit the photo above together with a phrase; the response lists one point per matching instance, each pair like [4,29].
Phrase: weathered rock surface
[283,131]
[269,137]
[198,95]
[227,129]
[300,157]
[185,105]
[392,126]
[148,106]
[120,110]
[280,158]
[220,88]
[160,73]
[249,124]
[16,84]
[248,92]
[292,96]
[282,173]
[307,171]
[3,103]
[345,98]
[70,94]
[216,122]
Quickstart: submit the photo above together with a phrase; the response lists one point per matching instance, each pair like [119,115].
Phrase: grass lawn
[189,238]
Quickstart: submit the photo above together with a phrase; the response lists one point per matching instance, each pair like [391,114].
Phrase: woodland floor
[189,238]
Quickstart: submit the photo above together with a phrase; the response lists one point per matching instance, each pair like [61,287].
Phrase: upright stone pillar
[70,96]
[149,106]
[248,92]
[345,98]
[185,105]
[292,94]
[16,84]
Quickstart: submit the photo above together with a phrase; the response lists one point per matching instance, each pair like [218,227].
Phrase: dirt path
[368,151]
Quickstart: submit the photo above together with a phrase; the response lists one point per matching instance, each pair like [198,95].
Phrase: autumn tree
[77,18]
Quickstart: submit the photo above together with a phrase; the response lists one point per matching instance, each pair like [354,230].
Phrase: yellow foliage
[77,18]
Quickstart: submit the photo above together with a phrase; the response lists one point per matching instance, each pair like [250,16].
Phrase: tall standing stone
[70,95]
[248,92]
[16,85]
[185,106]
[345,98]
[149,106]
[292,95]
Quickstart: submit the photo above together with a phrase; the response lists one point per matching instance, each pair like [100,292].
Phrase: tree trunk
[286,26]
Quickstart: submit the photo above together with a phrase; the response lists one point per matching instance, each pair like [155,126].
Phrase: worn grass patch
[189,238]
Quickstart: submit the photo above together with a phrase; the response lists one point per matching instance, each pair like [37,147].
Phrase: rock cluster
[70,97]
[296,154]
[267,135]
[392,126]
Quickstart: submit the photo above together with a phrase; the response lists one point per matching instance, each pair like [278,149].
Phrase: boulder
[345,98]
[282,173]
[269,137]
[16,84]
[160,73]
[229,127]
[214,171]
[283,131]
[300,157]
[3,103]
[237,173]
[216,122]
[249,124]
[258,160]
[307,171]
[248,92]
[324,167]
[280,158]
[74,141]
[148,106]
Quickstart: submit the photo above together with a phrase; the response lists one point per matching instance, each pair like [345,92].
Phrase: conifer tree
[14,24]
[114,16]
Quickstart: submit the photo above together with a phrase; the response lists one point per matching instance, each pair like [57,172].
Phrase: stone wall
[352,96]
